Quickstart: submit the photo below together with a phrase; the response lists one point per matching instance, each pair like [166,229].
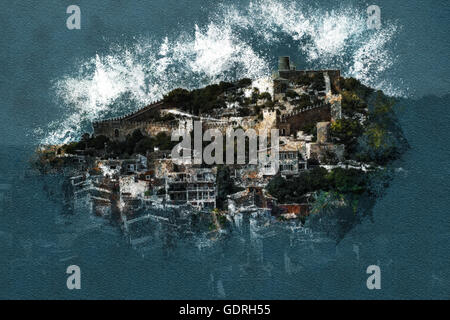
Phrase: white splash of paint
[236,43]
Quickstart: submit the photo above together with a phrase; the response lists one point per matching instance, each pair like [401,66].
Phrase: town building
[323,150]
[195,186]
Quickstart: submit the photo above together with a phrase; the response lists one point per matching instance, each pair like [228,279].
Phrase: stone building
[196,186]
[291,161]
[323,150]
[295,121]
[143,119]
[325,102]
[288,74]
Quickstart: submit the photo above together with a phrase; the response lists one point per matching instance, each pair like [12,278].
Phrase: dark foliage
[344,181]
[202,100]
[225,186]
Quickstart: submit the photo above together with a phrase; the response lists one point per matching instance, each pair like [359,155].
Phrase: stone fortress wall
[327,110]
[119,128]
[116,130]
[294,122]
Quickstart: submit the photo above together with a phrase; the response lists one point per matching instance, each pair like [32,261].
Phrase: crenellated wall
[295,121]
[119,130]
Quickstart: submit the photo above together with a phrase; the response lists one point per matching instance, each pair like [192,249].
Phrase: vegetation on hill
[369,128]
[134,143]
[371,134]
[206,100]
[203,100]
[315,81]
[339,180]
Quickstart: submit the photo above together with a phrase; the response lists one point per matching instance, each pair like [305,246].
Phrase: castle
[318,87]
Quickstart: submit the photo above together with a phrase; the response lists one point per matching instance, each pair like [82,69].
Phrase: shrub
[245,82]
[292,94]
[266,96]
[178,96]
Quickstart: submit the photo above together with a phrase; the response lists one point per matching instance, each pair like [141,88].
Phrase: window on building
[287,167]
[116,133]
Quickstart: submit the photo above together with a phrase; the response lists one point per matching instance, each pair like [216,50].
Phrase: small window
[116,133]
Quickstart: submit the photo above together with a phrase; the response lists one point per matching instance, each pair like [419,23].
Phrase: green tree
[144,145]
[292,94]
[346,131]
[352,104]
[98,142]
[245,82]
[178,96]
[348,180]
[163,141]
[266,96]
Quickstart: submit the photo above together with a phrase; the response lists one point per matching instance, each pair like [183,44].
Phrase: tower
[283,64]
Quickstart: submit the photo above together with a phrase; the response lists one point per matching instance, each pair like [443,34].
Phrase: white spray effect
[129,77]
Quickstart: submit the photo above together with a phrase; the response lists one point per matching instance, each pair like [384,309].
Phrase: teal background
[407,236]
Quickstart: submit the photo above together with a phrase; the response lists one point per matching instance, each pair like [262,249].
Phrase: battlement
[128,117]
[302,119]
[305,109]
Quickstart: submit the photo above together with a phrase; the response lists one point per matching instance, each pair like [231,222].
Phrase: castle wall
[293,75]
[119,130]
[299,120]
[232,122]
[152,129]
[285,128]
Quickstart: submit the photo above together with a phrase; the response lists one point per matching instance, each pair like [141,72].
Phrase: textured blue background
[408,235]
